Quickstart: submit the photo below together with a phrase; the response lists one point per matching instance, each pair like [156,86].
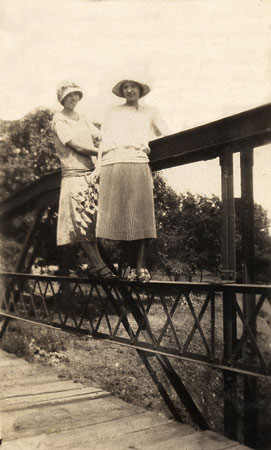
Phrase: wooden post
[248,265]
[228,273]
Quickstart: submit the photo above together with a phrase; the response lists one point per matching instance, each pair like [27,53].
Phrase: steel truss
[85,306]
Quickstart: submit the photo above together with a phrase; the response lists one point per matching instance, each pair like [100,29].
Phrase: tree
[189,236]
[27,150]
[163,250]
[262,242]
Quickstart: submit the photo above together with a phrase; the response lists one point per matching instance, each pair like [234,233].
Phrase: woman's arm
[159,126]
[67,137]
[86,150]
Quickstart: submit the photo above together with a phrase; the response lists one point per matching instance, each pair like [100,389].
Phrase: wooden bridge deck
[41,411]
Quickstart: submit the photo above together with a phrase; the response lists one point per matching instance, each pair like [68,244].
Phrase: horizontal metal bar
[147,347]
[154,284]
[209,140]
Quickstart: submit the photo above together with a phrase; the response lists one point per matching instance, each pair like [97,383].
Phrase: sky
[204,59]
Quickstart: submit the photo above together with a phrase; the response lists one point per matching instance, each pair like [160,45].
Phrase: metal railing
[149,317]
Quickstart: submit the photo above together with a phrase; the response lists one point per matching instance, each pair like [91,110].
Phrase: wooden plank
[34,443]
[52,398]
[41,389]
[66,417]
[143,439]
[89,436]
[32,379]
[240,447]
[201,440]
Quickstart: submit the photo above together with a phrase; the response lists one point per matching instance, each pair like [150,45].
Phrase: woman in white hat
[75,148]
[126,206]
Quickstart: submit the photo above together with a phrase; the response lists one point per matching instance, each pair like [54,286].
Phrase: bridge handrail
[208,141]
[70,298]
[190,285]
[204,142]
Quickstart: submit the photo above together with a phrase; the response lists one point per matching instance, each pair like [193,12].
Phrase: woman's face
[71,100]
[131,91]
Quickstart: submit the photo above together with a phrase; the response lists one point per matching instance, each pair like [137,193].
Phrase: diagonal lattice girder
[126,312]
[248,334]
[197,325]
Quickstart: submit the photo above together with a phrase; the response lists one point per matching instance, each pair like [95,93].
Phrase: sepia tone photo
[135,224]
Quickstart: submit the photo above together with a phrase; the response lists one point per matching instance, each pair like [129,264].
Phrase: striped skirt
[126,206]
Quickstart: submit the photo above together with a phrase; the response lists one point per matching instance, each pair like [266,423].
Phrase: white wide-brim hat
[144,88]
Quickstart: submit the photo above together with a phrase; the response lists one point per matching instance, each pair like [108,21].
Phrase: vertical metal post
[228,273]
[248,264]
[228,216]
[230,379]
[247,203]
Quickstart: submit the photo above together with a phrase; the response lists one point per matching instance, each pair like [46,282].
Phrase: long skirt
[69,230]
[126,205]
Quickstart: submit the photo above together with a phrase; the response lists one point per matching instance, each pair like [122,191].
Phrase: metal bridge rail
[219,333]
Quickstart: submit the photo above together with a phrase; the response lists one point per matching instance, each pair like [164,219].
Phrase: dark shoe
[103,272]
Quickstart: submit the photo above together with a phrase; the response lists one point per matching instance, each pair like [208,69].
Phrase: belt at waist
[76,172]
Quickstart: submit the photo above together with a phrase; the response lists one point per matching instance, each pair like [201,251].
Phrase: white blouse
[126,132]
[81,131]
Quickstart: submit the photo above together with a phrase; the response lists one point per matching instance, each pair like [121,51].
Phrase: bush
[26,340]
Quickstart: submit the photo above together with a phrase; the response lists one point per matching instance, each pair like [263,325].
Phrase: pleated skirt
[126,205]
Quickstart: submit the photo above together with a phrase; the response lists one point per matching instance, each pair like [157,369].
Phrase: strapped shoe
[143,275]
[132,276]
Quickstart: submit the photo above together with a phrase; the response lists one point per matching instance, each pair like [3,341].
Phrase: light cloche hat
[144,88]
[65,88]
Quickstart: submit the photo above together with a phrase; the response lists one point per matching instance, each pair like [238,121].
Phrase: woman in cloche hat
[126,205]
[74,146]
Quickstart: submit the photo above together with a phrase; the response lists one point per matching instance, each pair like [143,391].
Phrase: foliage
[189,236]
[262,242]
[27,150]
[25,340]
[9,254]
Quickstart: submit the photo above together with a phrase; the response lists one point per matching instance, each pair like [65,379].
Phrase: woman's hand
[146,150]
[104,152]
[85,151]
